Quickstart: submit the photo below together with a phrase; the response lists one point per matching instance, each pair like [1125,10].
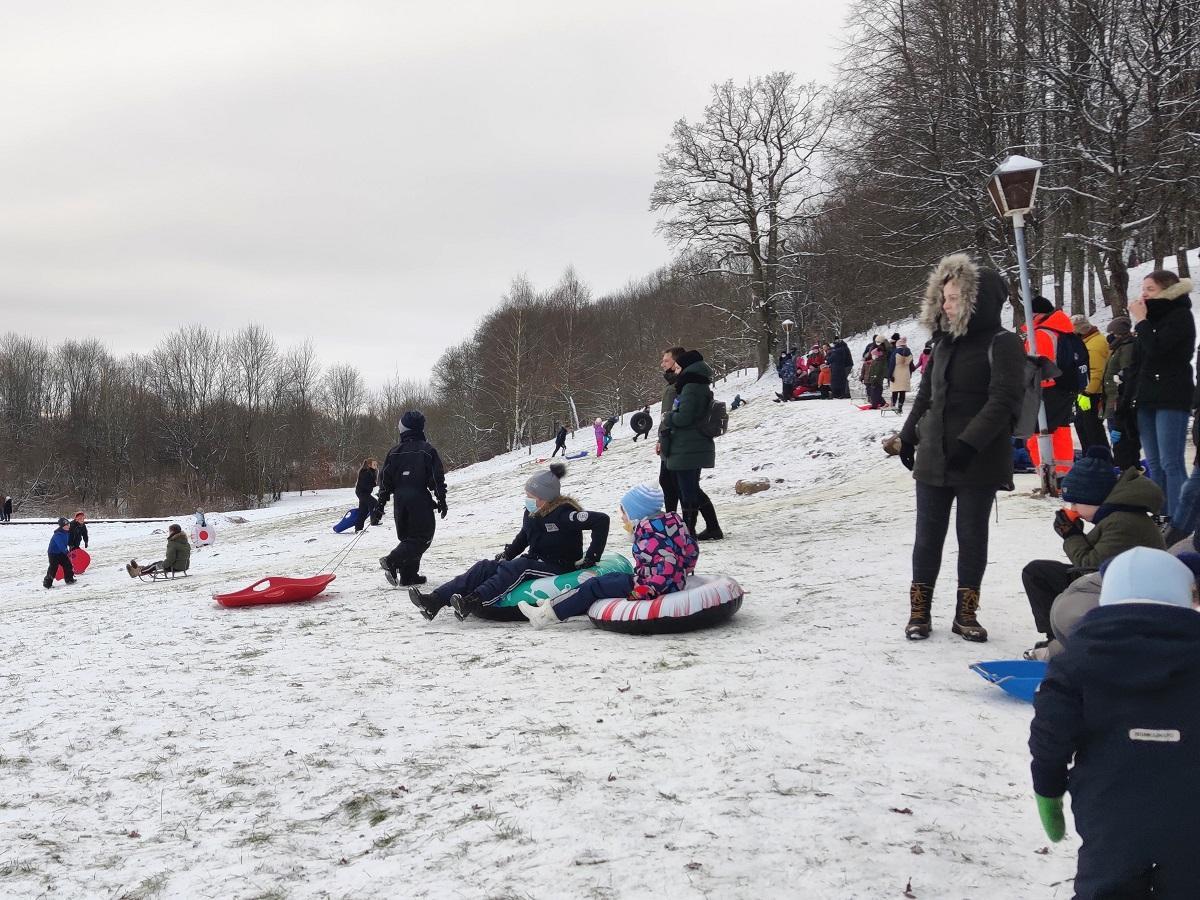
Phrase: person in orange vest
[1052,327]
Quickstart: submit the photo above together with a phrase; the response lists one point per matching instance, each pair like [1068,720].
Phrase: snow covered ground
[155,744]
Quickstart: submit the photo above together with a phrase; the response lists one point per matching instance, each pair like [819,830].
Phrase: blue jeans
[489,580]
[603,587]
[1187,511]
[1164,438]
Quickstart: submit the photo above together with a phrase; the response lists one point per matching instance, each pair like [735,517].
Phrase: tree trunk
[1118,284]
[1181,262]
[1105,289]
[1091,286]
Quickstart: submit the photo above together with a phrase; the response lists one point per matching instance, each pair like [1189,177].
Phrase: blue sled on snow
[1018,677]
[580,455]
[349,520]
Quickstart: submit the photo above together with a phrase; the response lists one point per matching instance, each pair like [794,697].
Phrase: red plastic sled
[79,562]
[276,590]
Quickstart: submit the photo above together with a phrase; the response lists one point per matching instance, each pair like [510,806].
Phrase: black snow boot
[966,625]
[389,571]
[712,528]
[409,576]
[920,606]
[428,604]
[47,583]
[689,519]
[465,606]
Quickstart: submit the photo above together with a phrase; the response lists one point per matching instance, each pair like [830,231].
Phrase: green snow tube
[505,609]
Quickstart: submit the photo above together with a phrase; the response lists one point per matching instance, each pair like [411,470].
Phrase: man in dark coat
[841,363]
[667,479]
[1117,724]
[411,473]
[686,450]
[641,423]
[957,439]
[7,512]
[560,440]
[79,532]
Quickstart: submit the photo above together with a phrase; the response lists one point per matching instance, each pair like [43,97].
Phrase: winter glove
[960,457]
[500,557]
[1114,435]
[908,454]
[1065,525]
[442,508]
[1050,809]
[587,562]
[1084,402]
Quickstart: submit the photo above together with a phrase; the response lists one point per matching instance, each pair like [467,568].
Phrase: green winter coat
[877,371]
[683,445]
[1120,358]
[179,553]
[1122,522]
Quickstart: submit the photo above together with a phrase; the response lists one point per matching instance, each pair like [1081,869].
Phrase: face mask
[531,505]
[669,376]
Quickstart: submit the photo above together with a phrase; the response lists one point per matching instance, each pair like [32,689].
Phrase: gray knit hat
[547,485]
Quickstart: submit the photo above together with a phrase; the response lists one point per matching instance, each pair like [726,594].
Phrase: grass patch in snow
[147,887]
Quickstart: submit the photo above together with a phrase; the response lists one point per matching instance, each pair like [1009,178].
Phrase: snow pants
[1088,426]
[56,560]
[971,524]
[1044,580]
[1113,870]
[578,601]
[366,506]
[415,527]
[490,579]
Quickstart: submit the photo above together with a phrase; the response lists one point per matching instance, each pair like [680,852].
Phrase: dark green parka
[683,444]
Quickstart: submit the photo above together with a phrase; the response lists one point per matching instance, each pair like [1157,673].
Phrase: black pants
[786,390]
[670,487]
[669,482]
[898,399]
[56,560]
[366,506]
[1088,425]
[641,434]
[839,379]
[557,447]
[875,395]
[1127,451]
[1106,871]
[1045,579]
[971,526]
[415,526]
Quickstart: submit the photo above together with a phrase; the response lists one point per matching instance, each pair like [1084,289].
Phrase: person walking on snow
[641,423]
[412,472]
[57,553]
[1116,723]
[550,542]
[79,532]
[957,440]
[664,555]
[899,374]
[1089,405]
[666,478]
[560,440]
[362,490]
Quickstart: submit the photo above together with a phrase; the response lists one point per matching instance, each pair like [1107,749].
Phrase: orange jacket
[1047,328]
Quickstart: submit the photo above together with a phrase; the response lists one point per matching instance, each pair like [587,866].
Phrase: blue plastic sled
[580,455]
[1018,677]
[349,520]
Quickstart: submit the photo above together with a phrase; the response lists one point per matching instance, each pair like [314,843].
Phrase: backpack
[716,421]
[1037,369]
[1071,357]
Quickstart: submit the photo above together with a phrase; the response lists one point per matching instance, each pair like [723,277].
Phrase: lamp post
[787,330]
[1013,189]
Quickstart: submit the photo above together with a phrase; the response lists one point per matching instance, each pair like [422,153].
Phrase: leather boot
[712,528]
[966,625]
[920,616]
[689,518]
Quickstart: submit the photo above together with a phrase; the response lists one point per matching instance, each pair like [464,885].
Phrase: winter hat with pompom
[547,485]
[642,501]
[1091,479]
[1145,575]
[412,420]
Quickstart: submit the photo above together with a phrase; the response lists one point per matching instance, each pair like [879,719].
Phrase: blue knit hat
[413,420]
[1146,575]
[642,501]
[1091,479]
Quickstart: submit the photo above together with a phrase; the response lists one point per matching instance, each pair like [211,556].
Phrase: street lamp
[1013,189]
[787,330]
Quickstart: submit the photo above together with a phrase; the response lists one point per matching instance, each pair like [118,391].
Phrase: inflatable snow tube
[505,609]
[706,601]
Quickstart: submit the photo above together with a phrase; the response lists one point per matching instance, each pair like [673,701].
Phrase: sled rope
[340,557]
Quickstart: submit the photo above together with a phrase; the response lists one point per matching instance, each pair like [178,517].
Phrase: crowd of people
[1116,720]
[824,372]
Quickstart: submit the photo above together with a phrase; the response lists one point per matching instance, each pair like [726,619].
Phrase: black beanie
[1042,306]
[688,358]
[412,420]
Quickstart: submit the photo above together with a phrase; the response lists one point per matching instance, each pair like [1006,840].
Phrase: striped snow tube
[707,600]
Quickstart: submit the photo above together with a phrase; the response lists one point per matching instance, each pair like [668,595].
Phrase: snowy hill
[157,744]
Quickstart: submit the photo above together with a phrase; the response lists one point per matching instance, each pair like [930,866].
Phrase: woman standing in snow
[957,439]
[900,369]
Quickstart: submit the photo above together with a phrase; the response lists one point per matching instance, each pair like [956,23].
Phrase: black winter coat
[963,397]
[412,467]
[555,536]
[365,483]
[840,356]
[1166,340]
[1121,703]
[79,535]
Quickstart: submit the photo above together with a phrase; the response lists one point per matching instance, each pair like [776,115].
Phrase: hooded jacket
[412,468]
[555,535]
[59,542]
[684,446]
[1166,339]
[1098,353]
[1048,329]
[1120,358]
[963,397]
[1122,521]
[1120,704]
[179,553]
[78,535]
[365,483]
[840,356]
[900,369]
[664,555]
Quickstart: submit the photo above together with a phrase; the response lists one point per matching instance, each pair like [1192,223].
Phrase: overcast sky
[367,174]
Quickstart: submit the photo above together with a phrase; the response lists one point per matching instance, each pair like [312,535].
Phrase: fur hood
[561,500]
[983,295]
[1181,288]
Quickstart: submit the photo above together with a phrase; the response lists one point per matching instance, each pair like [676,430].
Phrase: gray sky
[370,174]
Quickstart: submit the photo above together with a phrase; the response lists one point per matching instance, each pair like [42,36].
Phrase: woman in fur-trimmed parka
[957,439]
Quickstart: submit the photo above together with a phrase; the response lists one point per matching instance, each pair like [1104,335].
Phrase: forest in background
[824,205]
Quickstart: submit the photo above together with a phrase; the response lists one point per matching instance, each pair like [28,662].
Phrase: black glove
[1065,525]
[588,562]
[908,454]
[442,508]
[500,557]
[960,457]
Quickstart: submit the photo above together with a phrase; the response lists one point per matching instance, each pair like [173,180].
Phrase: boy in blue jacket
[1117,723]
[57,551]
[550,542]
